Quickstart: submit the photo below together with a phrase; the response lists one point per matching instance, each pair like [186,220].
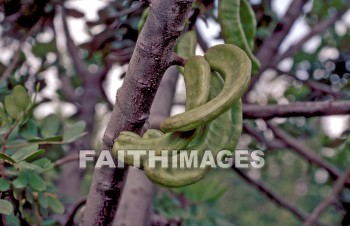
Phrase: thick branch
[273,196]
[149,61]
[135,204]
[298,147]
[338,186]
[305,109]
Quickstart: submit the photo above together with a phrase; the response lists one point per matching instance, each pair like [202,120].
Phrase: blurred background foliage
[35,54]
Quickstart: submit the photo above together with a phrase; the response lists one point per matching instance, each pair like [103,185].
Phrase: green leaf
[11,108]
[21,97]
[25,152]
[6,207]
[50,222]
[297,92]
[50,126]
[55,205]
[41,49]
[44,163]
[74,131]
[12,220]
[54,138]
[29,130]
[4,120]
[4,184]
[7,158]
[20,182]
[36,182]
[43,200]
[33,156]
[18,194]
[29,195]
[25,166]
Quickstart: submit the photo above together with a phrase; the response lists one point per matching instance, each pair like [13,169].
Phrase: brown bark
[135,206]
[304,109]
[153,54]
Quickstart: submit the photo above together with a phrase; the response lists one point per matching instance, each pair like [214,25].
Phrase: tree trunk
[136,203]
[153,54]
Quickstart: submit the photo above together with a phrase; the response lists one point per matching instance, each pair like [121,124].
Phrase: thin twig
[301,149]
[15,59]
[273,196]
[130,10]
[201,41]
[273,144]
[312,84]
[338,186]
[318,29]
[305,109]
[271,45]
[297,109]
[79,64]
[70,221]
[67,159]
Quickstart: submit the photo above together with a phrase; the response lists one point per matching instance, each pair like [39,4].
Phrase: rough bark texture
[152,56]
[135,206]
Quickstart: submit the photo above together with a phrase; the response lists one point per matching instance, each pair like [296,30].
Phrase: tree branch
[273,144]
[135,204]
[270,47]
[298,147]
[313,84]
[79,64]
[15,58]
[305,109]
[149,61]
[201,41]
[338,186]
[316,30]
[273,196]
[70,221]
[65,160]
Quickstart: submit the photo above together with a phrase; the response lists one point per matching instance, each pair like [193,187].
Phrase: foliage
[30,144]
[27,195]
[193,205]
